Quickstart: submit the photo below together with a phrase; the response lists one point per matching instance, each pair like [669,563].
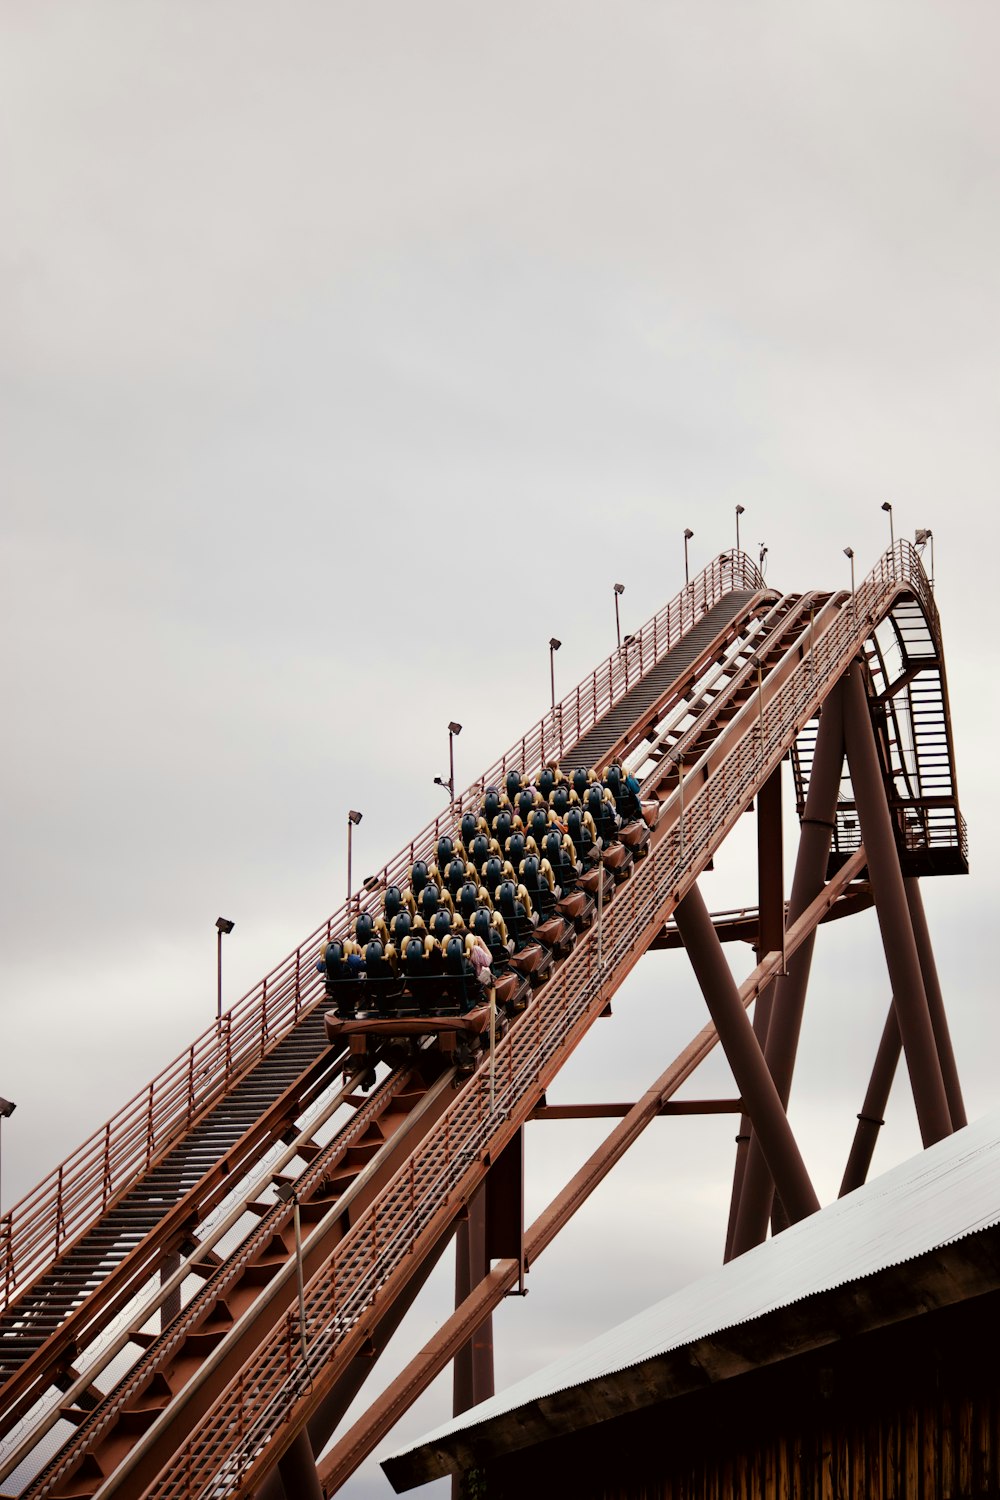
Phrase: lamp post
[922,536]
[739,511]
[849,553]
[619,589]
[892,534]
[453,729]
[7,1108]
[762,554]
[554,645]
[688,534]
[353,818]
[222,924]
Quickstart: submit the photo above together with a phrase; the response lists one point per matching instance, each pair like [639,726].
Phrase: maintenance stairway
[151,1340]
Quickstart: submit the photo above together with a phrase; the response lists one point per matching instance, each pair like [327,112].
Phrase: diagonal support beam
[745,1057]
[935,1002]
[870,1120]
[788,1004]
[912,1012]
[383,1414]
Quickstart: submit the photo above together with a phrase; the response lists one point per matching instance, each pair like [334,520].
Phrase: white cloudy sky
[348,352]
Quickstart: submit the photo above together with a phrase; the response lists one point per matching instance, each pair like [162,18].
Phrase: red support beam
[790,989]
[745,1057]
[935,1002]
[619,1111]
[871,1119]
[297,1468]
[770,939]
[912,1012]
[473,1374]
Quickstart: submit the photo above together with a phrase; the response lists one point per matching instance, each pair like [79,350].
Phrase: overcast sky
[348,352]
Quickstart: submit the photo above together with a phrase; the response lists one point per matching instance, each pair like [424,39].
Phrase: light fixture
[688,534]
[223,924]
[849,553]
[453,729]
[353,819]
[922,536]
[892,534]
[739,512]
[7,1108]
[619,589]
[554,644]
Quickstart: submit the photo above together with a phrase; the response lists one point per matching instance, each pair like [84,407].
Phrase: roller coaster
[192,1301]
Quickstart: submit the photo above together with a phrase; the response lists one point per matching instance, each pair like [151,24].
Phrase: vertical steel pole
[770,939]
[912,1012]
[473,1379]
[218,1002]
[871,1119]
[297,1468]
[935,1002]
[753,1080]
[790,990]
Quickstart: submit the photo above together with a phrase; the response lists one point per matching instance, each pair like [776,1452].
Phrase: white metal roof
[945,1193]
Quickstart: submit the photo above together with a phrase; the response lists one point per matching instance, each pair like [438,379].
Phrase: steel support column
[935,1001]
[297,1467]
[871,1119]
[790,989]
[755,1083]
[912,1012]
[473,1380]
[770,938]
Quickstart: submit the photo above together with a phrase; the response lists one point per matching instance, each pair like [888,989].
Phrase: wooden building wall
[909,1413]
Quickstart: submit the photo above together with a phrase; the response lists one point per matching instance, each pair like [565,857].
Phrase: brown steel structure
[192,1301]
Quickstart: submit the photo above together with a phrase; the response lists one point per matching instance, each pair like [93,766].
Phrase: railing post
[59,1209]
[9,1279]
[107,1165]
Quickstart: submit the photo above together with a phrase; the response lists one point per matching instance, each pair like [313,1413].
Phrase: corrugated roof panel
[945,1193]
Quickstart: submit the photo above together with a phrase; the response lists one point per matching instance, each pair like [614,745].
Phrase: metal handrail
[60,1209]
[436,1179]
